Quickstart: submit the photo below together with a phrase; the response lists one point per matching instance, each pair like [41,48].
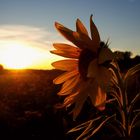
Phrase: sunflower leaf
[96,129]
[134,119]
[132,71]
[117,97]
[83,125]
[133,122]
[120,127]
[89,128]
[135,99]
[136,110]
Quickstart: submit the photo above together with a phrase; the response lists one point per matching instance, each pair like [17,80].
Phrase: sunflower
[86,67]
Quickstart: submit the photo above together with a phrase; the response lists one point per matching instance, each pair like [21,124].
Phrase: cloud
[38,37]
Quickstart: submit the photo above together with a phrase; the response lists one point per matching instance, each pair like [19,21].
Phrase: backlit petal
[65,93]
[66,65]
[66,54]
[69,100]
[85,88]
[97,96]
[65,76]
[88,42]
[81,28]
[94,34]
[80,100]
[69,85]
[69,35]
[66,48]
[100,99]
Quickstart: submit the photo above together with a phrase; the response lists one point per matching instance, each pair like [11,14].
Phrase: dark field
[27,107]
[27,100]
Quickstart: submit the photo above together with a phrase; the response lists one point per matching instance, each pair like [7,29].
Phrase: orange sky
[23,55]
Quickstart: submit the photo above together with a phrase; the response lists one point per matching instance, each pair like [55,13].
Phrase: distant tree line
[126,61]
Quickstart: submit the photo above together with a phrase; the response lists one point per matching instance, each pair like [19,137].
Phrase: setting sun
[18,55]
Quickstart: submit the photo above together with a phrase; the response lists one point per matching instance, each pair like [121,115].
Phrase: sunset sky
[27,27]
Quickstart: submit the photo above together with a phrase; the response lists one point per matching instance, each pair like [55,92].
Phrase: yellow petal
[66,65]
[65,93]
[65,76]
[69,100]
[69,35]
[97,95]
[78,106]
[105,54]
[81,28]
[65,54]
[94,34]
[69,85]
[66,47]
[100,99]
[85,88]
[66,50]
[88,43]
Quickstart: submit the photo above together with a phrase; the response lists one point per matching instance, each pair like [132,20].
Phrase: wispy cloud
[37,36]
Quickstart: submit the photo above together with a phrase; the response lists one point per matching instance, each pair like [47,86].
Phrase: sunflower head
[86,56]
[87,74]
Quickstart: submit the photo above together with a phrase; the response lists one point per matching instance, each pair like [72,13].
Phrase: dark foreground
[27,108]
[27,100]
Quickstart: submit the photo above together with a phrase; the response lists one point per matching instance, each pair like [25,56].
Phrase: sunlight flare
[19,55]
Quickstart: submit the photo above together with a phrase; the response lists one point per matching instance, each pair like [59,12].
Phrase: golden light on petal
[87,75]
[19,55]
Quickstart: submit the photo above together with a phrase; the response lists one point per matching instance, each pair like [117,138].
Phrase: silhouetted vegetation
[133,89]
[126,62]
[28,99]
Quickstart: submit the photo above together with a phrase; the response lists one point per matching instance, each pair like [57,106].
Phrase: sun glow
[18,55]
